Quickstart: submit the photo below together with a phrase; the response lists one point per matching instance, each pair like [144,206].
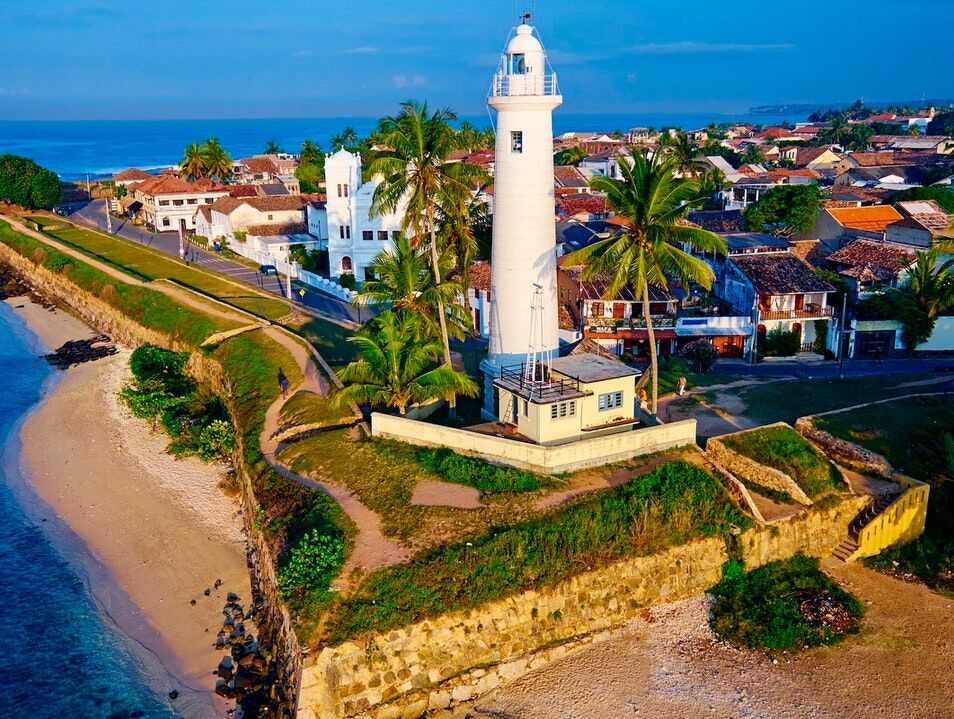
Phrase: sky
[91,59]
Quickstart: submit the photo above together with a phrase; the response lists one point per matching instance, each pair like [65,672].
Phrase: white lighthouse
[523,291]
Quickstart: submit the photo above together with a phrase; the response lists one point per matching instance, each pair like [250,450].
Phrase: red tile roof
[288,228]
[570,205]
[259,165]
[172,185]
[780,274]
[875,254]
[871,217]
[926,212]
[480,275]
[244,191]
[133,173]
[274,203]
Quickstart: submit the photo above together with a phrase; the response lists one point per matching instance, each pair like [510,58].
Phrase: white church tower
[524,94]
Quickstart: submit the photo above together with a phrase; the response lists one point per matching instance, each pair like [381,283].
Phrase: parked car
[268,269]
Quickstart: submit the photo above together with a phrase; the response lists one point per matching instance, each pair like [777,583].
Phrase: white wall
[351,215]
[942,338]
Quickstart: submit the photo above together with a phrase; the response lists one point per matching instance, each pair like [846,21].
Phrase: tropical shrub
[347,280]
[790,604]
[486,477]
[702,353]
[782,343]
[312,563]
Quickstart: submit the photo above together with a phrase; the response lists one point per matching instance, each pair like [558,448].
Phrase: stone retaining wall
[843,452]
[748,469]
[460,655]
[534,457]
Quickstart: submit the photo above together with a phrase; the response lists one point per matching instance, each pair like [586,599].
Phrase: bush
[347,281]
[216,441]
[702,353]
[312,563]
[782,343]
[459,469]
[821,337]
[783,605]
[675,503]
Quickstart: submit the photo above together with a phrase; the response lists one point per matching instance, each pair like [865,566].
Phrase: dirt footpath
[668,664]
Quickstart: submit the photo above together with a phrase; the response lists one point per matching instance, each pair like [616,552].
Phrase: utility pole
[89,194]
[842,335]
[755,332]
[109,220]
[288,275]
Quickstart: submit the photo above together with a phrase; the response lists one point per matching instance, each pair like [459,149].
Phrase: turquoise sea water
[63,655]
[104,147]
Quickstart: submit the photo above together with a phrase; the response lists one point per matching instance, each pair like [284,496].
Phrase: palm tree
[685,155]
[192,164]
[216,161]
[457,219]
[415,171]
[930,283]
[396,366]
[837,131]
[652,201]
[570,156]
[310,152]
[402,280]
[272,148]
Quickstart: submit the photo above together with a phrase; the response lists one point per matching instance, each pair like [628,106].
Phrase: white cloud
[303,53]
[402,81]
[363,50]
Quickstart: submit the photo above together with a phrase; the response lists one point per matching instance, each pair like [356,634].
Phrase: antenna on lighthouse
[539,354]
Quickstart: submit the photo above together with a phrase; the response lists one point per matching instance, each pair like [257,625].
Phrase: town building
[355,234]
[167,203]
[871,267]
[130,176]
[834,226]
[781,291]
[228,217]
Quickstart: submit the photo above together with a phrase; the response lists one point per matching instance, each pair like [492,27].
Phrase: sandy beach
[162,528]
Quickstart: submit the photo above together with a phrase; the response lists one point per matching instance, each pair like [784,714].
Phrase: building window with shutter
[516,142]
[562,410]
[383,235]
[610,400]
[367,235]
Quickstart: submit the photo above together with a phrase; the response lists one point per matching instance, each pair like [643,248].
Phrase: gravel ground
[668,664]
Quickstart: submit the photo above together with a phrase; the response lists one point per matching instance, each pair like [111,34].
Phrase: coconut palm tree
[272,148]
[397,366]
[415,171]
[192,164]
[216,161]
[457,219]
[402,280]
[310,153]
[685,155]
[930,283]
[651,200]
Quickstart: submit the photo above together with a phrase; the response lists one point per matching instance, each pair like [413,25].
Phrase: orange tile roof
[133,173]
[172,185]
[872,217]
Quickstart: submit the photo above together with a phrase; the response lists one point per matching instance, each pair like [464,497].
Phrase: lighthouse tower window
[518,64]
[516,142]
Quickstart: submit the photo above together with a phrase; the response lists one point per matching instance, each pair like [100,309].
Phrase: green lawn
[151,264]
[784,449]
[148,307]
[669,381]
[787,401]
[309,408]
[917,437]
[330,339]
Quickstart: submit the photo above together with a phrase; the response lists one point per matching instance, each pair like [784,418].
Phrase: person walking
[682,386]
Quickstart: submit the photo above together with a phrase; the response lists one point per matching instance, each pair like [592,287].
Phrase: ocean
[64,656]
[100,148]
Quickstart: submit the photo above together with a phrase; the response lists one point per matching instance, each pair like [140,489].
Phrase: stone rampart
[460,655]
[748,469]
[843,452]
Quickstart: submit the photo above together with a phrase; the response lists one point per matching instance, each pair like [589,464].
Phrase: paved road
[93,214]
[821,369]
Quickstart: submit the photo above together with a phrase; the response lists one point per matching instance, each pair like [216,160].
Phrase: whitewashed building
[355,237]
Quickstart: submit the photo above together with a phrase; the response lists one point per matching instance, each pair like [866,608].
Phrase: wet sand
[161,528]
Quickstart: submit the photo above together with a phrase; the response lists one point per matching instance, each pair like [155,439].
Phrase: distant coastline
[101,148]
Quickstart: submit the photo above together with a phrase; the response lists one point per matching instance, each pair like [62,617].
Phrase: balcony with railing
[539,384]
[810,311]
[529,84]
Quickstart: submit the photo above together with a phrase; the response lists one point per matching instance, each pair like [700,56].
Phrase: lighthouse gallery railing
[505,85]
